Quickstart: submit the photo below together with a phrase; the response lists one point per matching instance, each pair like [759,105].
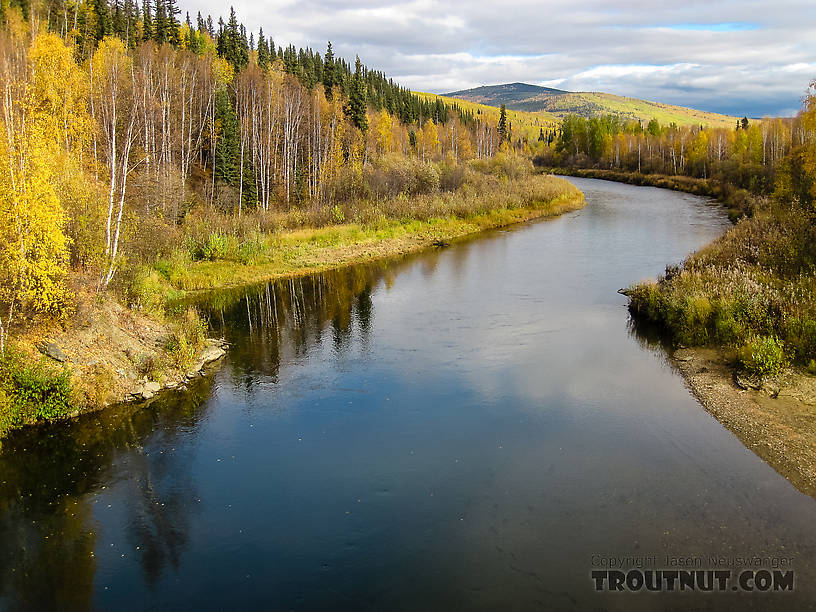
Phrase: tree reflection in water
[52,527]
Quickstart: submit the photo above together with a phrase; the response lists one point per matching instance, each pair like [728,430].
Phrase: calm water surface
[463,429]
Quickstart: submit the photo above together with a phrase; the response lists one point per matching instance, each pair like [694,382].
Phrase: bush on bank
[753,289]
[32,391]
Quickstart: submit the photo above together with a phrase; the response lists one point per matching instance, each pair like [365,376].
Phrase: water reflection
[51,482]
[288,320]
[460,429]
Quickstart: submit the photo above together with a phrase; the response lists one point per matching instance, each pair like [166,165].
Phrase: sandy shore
[777,422]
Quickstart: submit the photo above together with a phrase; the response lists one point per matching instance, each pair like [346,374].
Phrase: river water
[470,428]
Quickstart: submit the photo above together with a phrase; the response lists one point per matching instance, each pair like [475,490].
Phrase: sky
[740,57]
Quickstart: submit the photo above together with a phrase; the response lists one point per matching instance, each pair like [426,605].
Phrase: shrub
[150,239]
[695,313]
[251,249]
[451,176]
[145,288]
[215,246]
[727,329]
[762,356]
[6,421]
[186,339]
[175,267]
[33,391]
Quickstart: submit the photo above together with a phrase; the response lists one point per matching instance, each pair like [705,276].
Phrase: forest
[757,155]
[143,155]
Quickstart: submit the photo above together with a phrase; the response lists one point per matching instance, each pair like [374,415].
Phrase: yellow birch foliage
[809,123]
[59,89]
[699,148]
[384,125]
[430,140]
[33,244]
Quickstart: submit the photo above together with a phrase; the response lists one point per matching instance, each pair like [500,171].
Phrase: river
[476,427]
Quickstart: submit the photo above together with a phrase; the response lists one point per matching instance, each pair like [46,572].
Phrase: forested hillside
[555,103]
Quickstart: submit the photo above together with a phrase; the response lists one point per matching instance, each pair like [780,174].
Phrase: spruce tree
[249,188]
[503,122]
[263,51]
[160,23]
[329,75]
[357,99]
[173,26]
[117,20]
[103,19]
[147,22]
[227,147]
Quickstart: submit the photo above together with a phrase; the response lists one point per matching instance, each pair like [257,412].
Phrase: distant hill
[523,122]
[517,96]
[556,103]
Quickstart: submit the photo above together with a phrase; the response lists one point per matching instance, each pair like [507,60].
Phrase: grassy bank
[396,228]
[752,292]
[130,334]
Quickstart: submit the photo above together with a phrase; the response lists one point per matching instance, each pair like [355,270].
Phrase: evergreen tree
[160,29]
[357,102]
[131,9]
[249,188]
[232,43]
[329,76]
[147,22]
[263,51]
[118,20]
[221,39]
[173,26]
[745,123]
[227,147]
[103,25]
[503,122]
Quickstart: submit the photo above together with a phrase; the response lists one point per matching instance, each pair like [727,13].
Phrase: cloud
[729,56]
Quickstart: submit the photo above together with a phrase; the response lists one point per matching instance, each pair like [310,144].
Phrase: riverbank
[111,353]
[777,420]
[307,251]
[745,307]
[739,202]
